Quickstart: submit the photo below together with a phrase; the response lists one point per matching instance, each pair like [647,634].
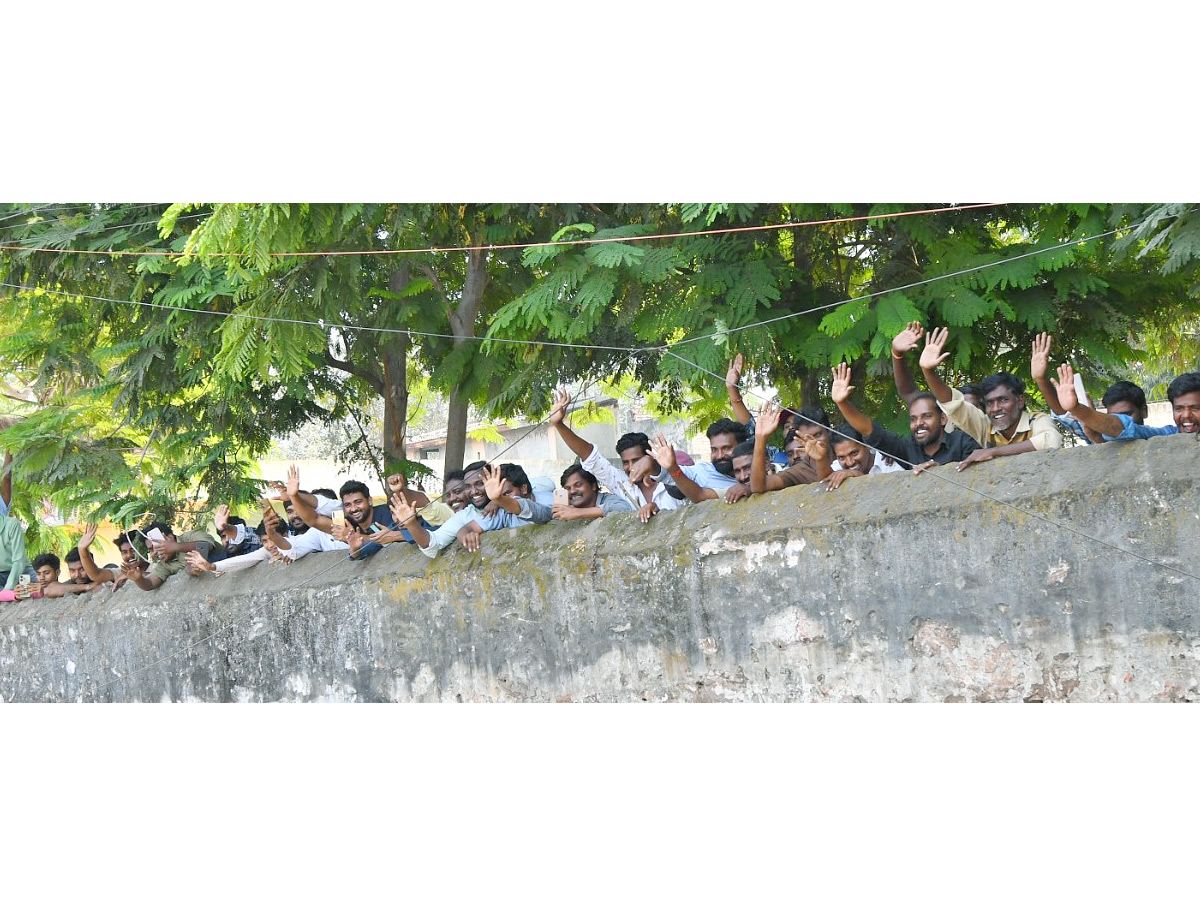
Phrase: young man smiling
[1006,428]
[927,445]
[1183,392]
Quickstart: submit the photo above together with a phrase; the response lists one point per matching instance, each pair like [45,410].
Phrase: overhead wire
[401,251]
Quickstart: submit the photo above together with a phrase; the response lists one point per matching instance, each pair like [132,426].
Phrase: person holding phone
[13,561]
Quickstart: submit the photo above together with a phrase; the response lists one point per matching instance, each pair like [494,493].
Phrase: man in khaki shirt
[1005,427]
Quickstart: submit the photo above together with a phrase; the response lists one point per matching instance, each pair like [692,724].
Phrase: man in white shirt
[644,494]
[854,458]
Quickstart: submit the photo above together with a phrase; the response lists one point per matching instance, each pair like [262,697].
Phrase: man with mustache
[584,498]
[1006,427]
[644,493]
[928,445]
[1183,392]
[705,480]
[367,527]
[810,458]
[482,485]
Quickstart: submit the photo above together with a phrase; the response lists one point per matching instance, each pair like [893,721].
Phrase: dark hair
[72,555]
[515,475]
[970,388]
[587,476]
[162,527]
[474,467]
[633,439]
[726,426]
[1183,384]
[999,380]
[845,432]
[454,475]
[745,448]
[237,520]
[123,538]
[327,493]
[1125,391]
[46,559]
[807,415]
[354,487]
[922,395]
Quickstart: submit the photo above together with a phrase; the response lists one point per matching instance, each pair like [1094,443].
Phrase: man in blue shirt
[705,480]
[367,527]
[1183,392]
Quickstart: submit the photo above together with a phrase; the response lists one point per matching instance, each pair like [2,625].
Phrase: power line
[524,246]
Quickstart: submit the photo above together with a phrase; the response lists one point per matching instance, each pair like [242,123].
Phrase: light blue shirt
[1135,432]
[705,475]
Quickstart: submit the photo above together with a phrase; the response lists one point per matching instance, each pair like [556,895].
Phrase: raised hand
[907,340]
[734,376]
[558,412]
[1065,387]
[403,511]
[934,355]
[197,563]
[642,469]
[494,483]
[221,519]
[89,535]
[1039,362]
[842,388]
[293,480]
[816,446]
[662,451]
[767,420]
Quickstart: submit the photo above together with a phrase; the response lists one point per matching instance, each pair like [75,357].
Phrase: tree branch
[428,272]
[371,378]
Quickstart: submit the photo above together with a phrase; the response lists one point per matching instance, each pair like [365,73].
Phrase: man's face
[127,555]
[741,468]
[1127,408]
[297,523]
[580,492]
[629,456]
[396,482]
[358,509]
[822,436]
[454,494]
[974,399]
[78,575]
[795,451]
[926,422]
[1004,408]
[157,552]
[1186,409]
[853,455]
[722,452]
[517,492]
[474,489]
[46,575]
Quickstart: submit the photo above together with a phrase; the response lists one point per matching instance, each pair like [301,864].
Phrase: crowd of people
[960,426]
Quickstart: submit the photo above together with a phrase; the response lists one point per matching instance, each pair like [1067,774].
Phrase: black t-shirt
[956,446]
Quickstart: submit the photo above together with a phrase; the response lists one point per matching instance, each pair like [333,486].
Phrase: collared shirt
[618,483]
[1135,432]
[704,474]
[1037,428]
[955,446]
[443,537]
[381,521]
[803,472]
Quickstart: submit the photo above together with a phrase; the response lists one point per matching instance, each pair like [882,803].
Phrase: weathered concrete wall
[892,588]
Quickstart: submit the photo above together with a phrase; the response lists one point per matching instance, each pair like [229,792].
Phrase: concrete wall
[893,588]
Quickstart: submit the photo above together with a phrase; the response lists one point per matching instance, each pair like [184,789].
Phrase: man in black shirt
[928,445]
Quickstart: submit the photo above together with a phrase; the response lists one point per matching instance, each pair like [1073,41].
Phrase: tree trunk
[462,324]
[395,383]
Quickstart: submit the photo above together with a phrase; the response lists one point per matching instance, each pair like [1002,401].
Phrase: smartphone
[339,518]
[155,535]
[25,581]
[1080,392]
